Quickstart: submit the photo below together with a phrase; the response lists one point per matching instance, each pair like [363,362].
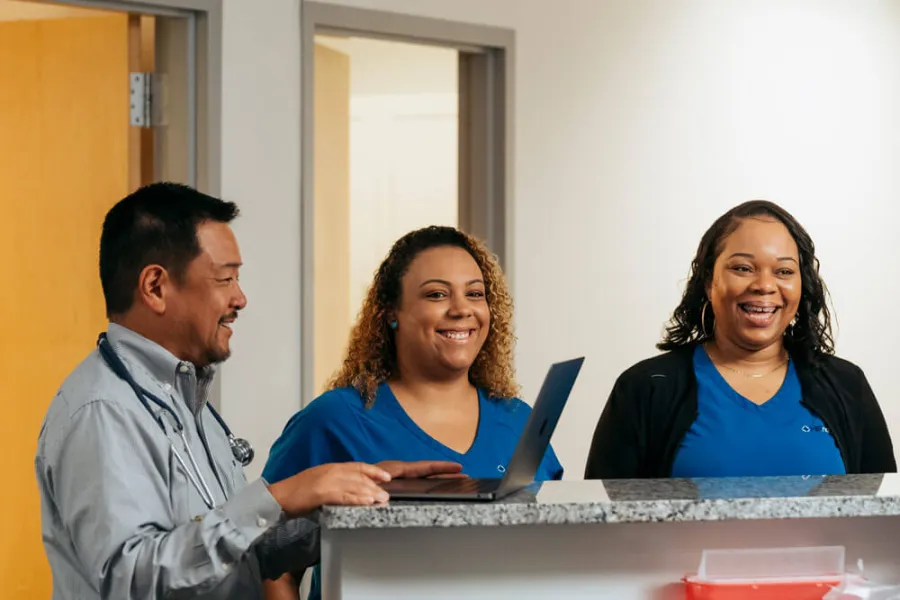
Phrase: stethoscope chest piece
[241,449]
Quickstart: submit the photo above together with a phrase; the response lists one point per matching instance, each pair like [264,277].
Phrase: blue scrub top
[337,427]
[734,437]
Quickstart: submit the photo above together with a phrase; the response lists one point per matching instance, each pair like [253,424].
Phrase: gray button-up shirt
[121,519]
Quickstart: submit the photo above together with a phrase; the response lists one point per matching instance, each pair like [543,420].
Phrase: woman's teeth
[456,335]
[758,309]
[760,316]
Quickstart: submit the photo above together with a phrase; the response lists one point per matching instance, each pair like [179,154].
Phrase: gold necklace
[750,375]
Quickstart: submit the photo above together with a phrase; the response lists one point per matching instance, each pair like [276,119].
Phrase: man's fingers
[372,489]
[365,485]
[364,495]
[373,472]
[426,468]
[353,499]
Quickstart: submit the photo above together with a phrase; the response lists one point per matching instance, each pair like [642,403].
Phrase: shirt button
[261,522]
[167,387]
[226,566]
[183,368]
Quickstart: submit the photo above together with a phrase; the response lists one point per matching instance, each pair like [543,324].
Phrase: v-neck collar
[717,380]
[388,402]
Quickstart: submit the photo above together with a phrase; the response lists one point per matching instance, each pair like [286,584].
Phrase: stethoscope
[240,448]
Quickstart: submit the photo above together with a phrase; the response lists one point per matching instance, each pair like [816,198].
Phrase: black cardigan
[654,403]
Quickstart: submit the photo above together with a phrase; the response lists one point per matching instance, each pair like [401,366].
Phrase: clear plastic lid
[771,563]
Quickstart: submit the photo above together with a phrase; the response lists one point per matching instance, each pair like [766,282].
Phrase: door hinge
[140,97]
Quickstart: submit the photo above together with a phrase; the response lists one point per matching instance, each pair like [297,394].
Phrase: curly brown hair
[372,354]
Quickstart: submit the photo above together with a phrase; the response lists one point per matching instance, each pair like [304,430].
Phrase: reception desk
[600,539]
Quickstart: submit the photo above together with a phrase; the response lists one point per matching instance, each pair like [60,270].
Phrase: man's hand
[340,483]
[423,468]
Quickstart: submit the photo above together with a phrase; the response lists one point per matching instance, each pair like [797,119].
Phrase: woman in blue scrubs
[748,384]
[428,373]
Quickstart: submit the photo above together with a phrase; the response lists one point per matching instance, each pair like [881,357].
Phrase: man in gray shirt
[142,487]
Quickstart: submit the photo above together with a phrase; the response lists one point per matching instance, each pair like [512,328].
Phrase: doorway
[93,104]
[386,145]
[407,123]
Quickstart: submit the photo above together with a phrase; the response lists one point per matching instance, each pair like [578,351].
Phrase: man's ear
[153,286]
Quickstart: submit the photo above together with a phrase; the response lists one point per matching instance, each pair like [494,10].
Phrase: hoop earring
[703,332]
[790,329]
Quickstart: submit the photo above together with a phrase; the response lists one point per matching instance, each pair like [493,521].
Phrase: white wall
[399,165]
[261,171]
[403,147]
[403,174]
[637,123]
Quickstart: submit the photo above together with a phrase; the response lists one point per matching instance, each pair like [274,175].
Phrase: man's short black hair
[154,225]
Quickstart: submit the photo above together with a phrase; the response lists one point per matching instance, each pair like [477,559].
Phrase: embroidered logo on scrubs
[817,429]
[501,468]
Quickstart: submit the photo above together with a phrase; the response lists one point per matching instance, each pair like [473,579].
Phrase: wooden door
[64,161]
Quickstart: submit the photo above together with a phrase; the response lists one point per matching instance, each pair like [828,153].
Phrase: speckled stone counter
[642,501]
[583,540]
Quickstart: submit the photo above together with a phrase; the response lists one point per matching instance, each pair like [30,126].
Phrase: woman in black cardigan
[748,384]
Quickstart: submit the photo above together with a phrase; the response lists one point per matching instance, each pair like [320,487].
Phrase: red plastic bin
[766,574]
[759,590]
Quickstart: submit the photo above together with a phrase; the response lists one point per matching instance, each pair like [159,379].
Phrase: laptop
[525,460]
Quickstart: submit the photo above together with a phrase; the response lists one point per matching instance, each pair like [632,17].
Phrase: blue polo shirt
[337,427]
[734,437]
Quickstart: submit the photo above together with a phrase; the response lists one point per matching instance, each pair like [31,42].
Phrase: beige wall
[637,123]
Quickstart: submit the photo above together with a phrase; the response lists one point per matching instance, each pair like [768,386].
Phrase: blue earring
[394,325]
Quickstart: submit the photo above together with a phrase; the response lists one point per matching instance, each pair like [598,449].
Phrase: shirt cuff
[253,510]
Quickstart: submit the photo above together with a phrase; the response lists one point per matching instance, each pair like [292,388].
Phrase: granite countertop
[641,501]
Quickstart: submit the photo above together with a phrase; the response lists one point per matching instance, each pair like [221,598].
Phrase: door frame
[204,41]
[487,117]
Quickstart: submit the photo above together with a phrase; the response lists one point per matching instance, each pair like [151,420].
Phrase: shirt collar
[160,364]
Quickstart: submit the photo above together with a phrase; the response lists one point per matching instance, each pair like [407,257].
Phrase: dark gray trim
[482,148]
[329,18]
